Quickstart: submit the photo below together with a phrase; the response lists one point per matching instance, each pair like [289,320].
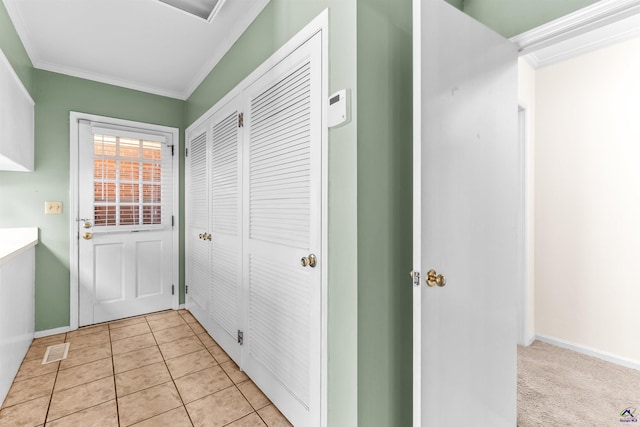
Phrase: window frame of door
[74,225]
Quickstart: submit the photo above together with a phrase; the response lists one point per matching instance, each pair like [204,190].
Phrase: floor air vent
[55,353]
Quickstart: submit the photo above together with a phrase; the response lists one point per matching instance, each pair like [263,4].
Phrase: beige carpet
[559,387]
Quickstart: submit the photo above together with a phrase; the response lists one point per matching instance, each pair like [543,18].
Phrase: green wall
[23,194]
[384,213]
[456,3]
[277,23]
[512,17]
[14,50]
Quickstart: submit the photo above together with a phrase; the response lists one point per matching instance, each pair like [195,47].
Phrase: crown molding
[597,15]
[18,23]
[100,78]
[585,43]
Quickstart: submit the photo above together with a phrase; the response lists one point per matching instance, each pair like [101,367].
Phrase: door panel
[148,275]
[125,211]
[466,179]
[282,200]
[109,271]
[197,247]
[226,228]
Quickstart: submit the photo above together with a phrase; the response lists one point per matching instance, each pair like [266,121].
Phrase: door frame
[74,225]
[319,24]
[554,34]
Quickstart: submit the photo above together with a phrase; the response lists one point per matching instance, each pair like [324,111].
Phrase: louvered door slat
[198,223]
[281,196]
[273,113]
[225,225]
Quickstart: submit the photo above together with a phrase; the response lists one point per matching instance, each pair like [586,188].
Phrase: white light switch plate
[52,208]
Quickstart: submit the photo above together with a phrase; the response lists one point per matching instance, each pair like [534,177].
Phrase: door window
[127,182]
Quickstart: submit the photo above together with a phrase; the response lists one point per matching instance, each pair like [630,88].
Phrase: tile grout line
[53,387]
[173,380]
[115,387]
[170,376]
[230,379]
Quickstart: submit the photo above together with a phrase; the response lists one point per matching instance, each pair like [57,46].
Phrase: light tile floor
[161,369]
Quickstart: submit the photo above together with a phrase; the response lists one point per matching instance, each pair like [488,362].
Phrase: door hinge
[173,289]
[240,337]
[415,276]
[240,120]
[172,148]
[186,289]
[173,221]
[186,152]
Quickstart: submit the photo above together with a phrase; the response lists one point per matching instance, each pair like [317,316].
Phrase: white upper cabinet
[16,121]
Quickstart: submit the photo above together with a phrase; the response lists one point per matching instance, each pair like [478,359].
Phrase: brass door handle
[87,225]
[87,236]
[310,261]
[433,279]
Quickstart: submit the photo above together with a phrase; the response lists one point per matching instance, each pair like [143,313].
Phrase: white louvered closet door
[282,225]
[197,247]
[226,228]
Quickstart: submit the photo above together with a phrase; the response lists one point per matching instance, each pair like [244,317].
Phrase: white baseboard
[530,341]
[622,361]
[181,307]
[48,332]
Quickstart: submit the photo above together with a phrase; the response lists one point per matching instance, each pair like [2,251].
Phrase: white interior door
[225,291]
[282,201]
[197,227]
[465,220]
[125,212]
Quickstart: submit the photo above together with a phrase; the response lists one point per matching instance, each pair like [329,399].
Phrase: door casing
[74,225]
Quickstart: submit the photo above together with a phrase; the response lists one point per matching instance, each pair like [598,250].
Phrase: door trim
[74,226]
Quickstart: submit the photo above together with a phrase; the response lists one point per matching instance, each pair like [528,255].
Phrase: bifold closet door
[197,249]
[282,206]
[225,209]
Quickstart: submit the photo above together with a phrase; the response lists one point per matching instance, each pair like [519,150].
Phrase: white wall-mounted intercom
[339,109]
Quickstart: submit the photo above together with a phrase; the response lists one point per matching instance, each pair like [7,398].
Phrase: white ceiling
[139,44]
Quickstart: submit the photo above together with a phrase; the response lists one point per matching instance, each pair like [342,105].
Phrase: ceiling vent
[205,9]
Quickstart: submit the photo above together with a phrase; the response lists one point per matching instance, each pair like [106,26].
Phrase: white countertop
[14,241]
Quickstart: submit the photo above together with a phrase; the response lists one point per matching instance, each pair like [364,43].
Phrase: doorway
[124,201]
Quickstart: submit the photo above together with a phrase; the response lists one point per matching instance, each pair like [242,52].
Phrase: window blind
[132,180]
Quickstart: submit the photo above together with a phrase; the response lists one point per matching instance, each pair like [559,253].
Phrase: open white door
[466,201]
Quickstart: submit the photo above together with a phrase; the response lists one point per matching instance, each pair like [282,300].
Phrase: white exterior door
[282,226]
[466,206]
[125,213]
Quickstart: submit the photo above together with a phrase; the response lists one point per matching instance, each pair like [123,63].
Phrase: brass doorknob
[87,225]
[87,236]
[434,279]
[310,261]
